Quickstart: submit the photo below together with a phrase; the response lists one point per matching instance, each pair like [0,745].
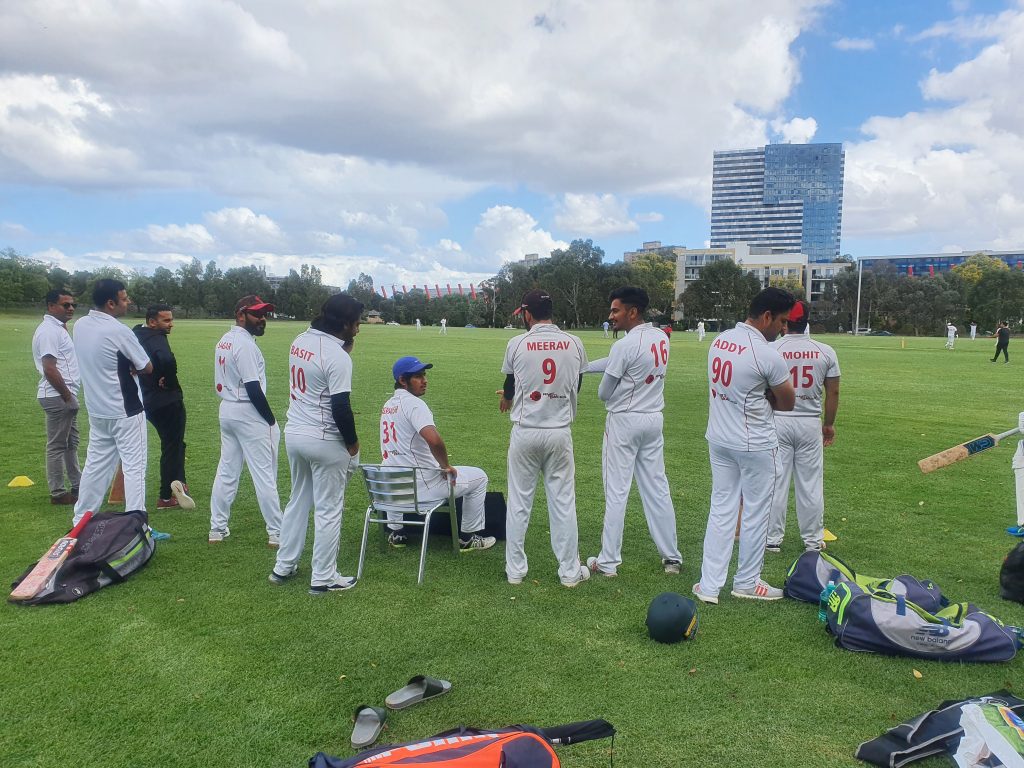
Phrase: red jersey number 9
[549,370]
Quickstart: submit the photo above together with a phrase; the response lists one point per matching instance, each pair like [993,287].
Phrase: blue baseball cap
[407,366]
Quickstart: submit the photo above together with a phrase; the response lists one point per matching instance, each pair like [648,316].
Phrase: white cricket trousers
[110,441]
[1018,474]
[320,471]
[735,473]
[634,447]
[801,458]
[470,486]
[549,452]
[256,444]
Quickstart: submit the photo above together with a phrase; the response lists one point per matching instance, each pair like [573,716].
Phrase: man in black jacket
[165,406]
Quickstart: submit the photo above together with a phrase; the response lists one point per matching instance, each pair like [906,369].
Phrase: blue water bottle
[826,593]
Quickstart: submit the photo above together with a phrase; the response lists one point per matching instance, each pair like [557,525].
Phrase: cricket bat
[963,451]
[49,564]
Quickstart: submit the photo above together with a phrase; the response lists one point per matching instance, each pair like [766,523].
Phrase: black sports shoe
[398,539]
[277,578]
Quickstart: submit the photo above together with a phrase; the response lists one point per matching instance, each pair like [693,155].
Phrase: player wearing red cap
[813,371]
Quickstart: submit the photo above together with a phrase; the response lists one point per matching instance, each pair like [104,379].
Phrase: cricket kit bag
[494,517]
[110,548]
[1011,575]
[882,622]
[986,730]
[812,571]
[519,746]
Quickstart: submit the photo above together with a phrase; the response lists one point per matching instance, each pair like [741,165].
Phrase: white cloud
[581,214]
[854,44]
[650,217]
[954,172]
[13,229]
[188,238]
[243,228]
[799,130]
[507,234]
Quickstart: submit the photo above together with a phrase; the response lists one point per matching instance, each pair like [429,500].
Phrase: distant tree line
[982,289]
[577,277]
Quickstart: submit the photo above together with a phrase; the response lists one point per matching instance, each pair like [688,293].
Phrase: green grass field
[199,661]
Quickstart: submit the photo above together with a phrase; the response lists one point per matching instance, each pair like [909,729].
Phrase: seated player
[409,438]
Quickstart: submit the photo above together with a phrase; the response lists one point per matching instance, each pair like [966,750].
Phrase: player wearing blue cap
[409,438]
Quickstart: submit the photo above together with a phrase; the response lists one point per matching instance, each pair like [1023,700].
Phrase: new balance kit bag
[1011,575]
[519,746]
[812,571]
[111,547]
[882,622]
[986,730]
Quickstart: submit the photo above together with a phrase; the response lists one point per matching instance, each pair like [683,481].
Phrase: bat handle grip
[80,525]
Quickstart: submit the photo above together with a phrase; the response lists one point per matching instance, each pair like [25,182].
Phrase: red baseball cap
[254,304]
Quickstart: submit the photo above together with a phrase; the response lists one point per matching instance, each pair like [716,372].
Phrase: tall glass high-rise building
[780,196]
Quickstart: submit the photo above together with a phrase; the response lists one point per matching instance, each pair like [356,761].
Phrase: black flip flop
[420,688]
[369,722]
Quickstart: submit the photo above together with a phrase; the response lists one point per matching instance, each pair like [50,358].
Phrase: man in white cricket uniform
[950,335]
[742,445]
[974,330]
[409,438]
[814,372]
[248,430]
[700,330]
[633,390]
[419,325]
[604,325]
[542,370]
[320,439]
[107,353]
[444,326]
[54,354]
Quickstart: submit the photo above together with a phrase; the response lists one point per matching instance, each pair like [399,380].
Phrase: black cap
[537,301]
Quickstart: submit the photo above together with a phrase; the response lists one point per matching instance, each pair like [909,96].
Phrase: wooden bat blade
[49,564]
[960,452]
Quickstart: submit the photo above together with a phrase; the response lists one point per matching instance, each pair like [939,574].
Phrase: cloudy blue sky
[427,142]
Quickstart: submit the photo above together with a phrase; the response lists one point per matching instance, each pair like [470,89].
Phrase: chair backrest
[391,488]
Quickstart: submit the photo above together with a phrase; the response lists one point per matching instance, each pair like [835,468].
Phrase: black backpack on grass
[1011,575]
[111,547]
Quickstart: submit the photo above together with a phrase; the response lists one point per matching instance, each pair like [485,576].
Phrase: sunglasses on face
[69,305]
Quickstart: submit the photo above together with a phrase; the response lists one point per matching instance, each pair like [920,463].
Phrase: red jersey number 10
[298,379]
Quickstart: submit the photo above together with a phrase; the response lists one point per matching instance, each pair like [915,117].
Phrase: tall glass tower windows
[780,196]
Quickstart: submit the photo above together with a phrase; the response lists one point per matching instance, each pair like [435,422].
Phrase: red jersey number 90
[721,371]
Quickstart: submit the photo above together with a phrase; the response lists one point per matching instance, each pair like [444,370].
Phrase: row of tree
[983,290]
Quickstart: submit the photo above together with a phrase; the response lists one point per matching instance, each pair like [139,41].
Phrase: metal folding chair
[393,489]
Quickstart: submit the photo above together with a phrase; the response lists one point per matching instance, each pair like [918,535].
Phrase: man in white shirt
[700,330]
[444,326]
[108,354]
[814,372]
[633,390]
[54,354]
[409,438]
[748,380]
[950,335]
[604,326]
[974,330]
[249,432]
[321,442]
[542,370]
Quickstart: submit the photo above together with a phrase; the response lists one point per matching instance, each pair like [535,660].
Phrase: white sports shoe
[218,536]
[180,492]
[594,568]
[343,583]
[584,575]
[273,540]
[709,599]
[761,590]
[671,567]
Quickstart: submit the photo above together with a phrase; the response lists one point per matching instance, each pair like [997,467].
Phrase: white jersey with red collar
[742,365]
[639,362]
[547,363]
[810,363]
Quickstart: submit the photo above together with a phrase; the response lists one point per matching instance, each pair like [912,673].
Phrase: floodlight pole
[860,274]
